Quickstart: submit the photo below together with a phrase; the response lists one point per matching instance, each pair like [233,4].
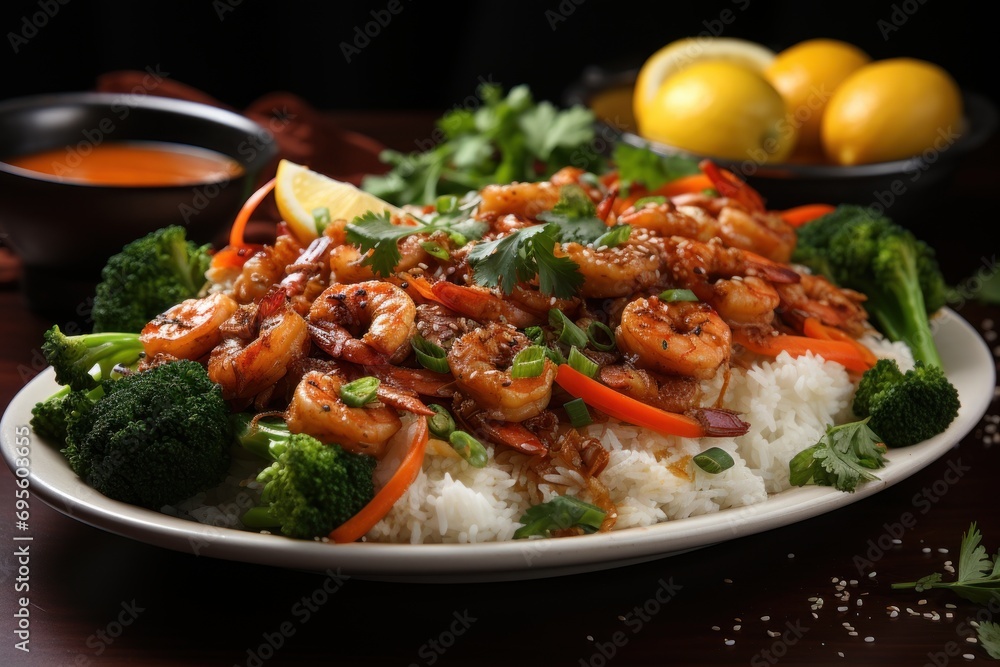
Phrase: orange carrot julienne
[625,408]
[355,528]
[800,215]
[243,217]
[813,328]
[841,352]
[684,185]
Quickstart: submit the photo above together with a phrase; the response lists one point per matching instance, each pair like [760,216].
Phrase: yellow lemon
[301,194]
[682,53]
[720,109]
[806,75]
[890,110]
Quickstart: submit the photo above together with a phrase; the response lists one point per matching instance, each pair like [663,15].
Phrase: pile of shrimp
[285,330]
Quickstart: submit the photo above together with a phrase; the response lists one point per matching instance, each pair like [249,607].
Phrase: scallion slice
[578,361]
[431,356]
[578,413]
[529,362]
[321,216]
[535,334]
[672,295]
[566,330]
[435,250]
[359,392]
[714,460]
[601,336]
[446,204]
[654,199]
[614,236]
[469,449]
[442,424]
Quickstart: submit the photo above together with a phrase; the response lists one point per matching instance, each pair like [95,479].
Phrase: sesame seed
[968,656]
[728,581]
[893,614]
[716,628]
[736,628]
[840,653]
[972,640]
[897,541]
[926,550]
[765,618]
[853,634]
[869,639]
[942,551]
[841,608]
[730,642]
[871,575]
[921,601]
[773,633]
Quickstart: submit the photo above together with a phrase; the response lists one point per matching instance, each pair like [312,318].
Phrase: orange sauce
[133,163]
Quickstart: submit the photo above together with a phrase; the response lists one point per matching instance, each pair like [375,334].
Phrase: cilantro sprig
[505,139]
[641,165]
[520,256]
[376,232]
[843,458]
[977,580]
[560,513]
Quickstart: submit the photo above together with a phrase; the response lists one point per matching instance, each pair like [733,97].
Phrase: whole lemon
[891,109]
[687,51]
[720,109]
[807,74]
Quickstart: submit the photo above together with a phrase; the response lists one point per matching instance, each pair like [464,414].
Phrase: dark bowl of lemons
[819,122]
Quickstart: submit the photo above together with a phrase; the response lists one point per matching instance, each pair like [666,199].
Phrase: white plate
[967,360]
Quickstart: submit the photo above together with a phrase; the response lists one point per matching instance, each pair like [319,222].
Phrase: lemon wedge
[681,53]
[300,193]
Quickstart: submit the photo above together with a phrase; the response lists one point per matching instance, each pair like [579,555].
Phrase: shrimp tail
[339,343]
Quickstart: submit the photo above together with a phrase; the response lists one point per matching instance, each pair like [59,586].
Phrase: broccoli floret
[155,438]
[148,276]
[74,357]
[899,273]
[51,418]
[310,487]
[906,408]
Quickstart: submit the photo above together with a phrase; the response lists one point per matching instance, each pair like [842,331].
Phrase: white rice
[650,477]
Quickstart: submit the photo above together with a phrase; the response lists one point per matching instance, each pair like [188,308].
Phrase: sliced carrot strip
[837,351]
[813,328]
[800,215]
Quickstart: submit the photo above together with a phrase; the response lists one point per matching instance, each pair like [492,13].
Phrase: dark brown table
[99,599]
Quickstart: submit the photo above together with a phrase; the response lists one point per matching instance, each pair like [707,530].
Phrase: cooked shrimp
[621,270]
[316,409]
[481,363]
[265,269]
[835,306]
[526,200]
[354,321]
[737,283]
[272,337]
[677,338]
[190,329]
[523,307]
[441,325]
[666,219]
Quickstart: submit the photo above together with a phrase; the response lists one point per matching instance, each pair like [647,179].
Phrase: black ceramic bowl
[64,231]
[900,187]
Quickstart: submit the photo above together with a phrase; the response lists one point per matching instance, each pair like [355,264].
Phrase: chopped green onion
[360,392]
[442,424]
[431,356]
[469,449]
[566,330]
[614,236]
[321,216]
[435,250]
[560,513]
[642,201]
[578,361]
[710,192]
[597,330]
[529,362]
[672,295]
[714,460]
[578,413]
[535,334]
[446,204]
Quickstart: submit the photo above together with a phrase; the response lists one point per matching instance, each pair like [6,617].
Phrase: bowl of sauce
[83,174]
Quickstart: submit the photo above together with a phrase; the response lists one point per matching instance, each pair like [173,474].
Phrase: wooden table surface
[95,598]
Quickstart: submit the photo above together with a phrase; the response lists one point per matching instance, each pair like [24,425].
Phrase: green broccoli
[906,408]
[50,418]
[73,357]
[310,487]
[155,438]
[148,276]
[860,250]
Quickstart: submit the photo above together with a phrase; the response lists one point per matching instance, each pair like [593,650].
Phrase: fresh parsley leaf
[520,256]
[842,459]
[641,165]
[560,513]
[375,232]
[977,580]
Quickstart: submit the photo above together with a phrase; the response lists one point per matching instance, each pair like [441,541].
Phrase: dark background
[431,55]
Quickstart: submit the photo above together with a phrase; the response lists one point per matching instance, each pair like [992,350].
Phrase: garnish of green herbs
[520,256]
[375,232]
[497,139]
[843,458]
[576,215]
[977,580]
[560,513]
[641,165]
